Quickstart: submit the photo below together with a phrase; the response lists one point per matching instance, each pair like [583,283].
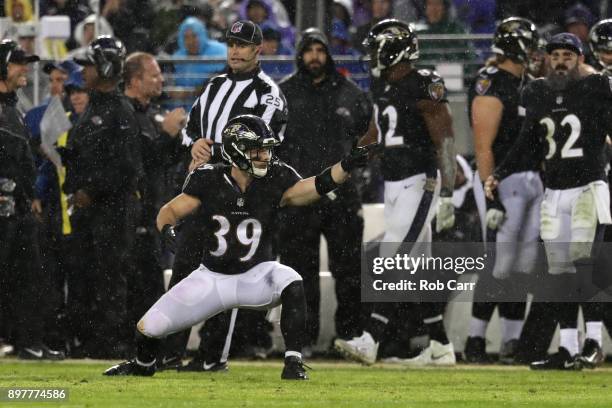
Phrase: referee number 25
[568,150]
[248,233]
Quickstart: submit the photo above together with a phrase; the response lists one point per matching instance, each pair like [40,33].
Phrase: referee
[244,89]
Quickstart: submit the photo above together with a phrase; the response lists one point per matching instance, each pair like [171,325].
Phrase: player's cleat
[592,355]
[561,360]
[168,363]
[5,348]
[436,354]
[131,367]
[475,351]
[40,352]
[507,352]
[294,369]
[199,365]
[362,349]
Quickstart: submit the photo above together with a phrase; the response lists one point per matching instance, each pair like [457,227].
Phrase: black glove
[168,236]
[358,157]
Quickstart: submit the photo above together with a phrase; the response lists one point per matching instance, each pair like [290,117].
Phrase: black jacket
[324,119]
[16,160]
[102,155]
[159,151]
[17,164]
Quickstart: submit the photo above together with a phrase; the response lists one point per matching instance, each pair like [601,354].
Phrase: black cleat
[475,351]
[592,355]
[168,363]
[561,360]
[40,352]
[131,367]
[508,351]
[198,365]
[294,369]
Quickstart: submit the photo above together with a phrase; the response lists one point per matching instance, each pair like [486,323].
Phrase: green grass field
[250,384]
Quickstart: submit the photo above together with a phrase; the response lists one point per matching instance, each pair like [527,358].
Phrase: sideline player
[513,218]
[413,122]
[238,205]
[564,125]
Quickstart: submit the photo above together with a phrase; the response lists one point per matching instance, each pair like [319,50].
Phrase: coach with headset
[103,166]
[22,283]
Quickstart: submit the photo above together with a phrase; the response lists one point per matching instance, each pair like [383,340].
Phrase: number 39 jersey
[401,126]
[238,227]
[570,127]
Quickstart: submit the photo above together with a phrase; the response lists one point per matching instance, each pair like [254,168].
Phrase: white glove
[445,217]
[495,218]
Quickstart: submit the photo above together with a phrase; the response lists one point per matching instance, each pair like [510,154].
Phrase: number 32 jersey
[238,227]
[401,126]
[568,129]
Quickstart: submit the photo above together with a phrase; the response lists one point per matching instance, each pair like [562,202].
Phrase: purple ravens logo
[236,28]
[436,91]
[482,86]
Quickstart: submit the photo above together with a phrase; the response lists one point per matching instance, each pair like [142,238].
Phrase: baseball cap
[19,56]
[245,31]
[74,81]
[578,14]
[567,41]
[66,66]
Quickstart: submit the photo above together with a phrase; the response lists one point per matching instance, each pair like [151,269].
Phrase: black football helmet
[515,38]
[107,54]
[600,39]
[389,42]
[241,135]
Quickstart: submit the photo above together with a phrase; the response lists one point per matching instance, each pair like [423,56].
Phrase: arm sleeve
[273,110]
[193,130]
[198,180]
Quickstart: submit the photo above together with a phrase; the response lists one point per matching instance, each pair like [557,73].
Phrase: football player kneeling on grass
[239,201]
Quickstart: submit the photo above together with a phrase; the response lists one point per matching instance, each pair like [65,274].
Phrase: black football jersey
[500,84]
[237,227]
[408,149]
[568,129]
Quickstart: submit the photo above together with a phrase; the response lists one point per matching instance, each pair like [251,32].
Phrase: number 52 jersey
[401,126]
[238,227]
[568,128]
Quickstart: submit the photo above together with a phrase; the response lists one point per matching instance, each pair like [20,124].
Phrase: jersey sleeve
[199,181]
[193,130]
[288,176]
[488,84]
[430,86]
[273,110]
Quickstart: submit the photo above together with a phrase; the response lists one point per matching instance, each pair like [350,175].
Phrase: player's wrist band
[324,182]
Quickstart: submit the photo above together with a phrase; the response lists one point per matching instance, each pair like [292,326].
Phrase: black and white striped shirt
[228,95]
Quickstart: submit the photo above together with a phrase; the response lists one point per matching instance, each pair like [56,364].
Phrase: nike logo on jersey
[35,353]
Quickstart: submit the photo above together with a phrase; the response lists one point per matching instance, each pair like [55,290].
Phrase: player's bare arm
[178,208]
[371,135]
[486,115]
[440,126]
